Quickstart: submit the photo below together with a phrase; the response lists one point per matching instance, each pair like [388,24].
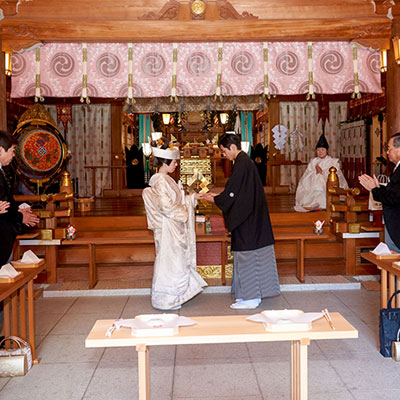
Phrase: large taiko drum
[41,153]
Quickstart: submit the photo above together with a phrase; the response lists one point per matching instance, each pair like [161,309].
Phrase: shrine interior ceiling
[24,23]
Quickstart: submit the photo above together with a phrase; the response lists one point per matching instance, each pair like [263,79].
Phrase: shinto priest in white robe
[170,215]
[311,190]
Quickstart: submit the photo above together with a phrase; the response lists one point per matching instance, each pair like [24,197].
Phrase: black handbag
[389,324]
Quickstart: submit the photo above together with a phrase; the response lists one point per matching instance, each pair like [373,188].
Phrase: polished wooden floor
[133,205]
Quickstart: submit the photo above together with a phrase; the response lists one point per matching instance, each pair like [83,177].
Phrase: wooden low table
[137,238]
[10,293]
[225,329]
[389,272]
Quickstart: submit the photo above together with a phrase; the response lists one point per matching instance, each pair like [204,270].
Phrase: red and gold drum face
[40,151]
[40,154]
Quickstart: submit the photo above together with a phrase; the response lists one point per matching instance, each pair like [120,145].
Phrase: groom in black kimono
[246,216]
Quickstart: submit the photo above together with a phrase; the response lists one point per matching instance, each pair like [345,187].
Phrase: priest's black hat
[322,142]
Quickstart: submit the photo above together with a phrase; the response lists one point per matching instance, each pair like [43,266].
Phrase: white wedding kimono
[170,215]
[311,190]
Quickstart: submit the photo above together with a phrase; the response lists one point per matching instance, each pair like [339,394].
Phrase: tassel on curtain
[130,100]
[174,63]
[311,94]
[218,94]
[356,93]
[247,127]
[84,96]
[38,96]
[266,93]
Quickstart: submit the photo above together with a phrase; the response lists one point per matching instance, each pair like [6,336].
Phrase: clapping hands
[368,182]
[29,218]
[4,206]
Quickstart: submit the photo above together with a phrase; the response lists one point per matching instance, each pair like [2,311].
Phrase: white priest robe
[170,215]
[311,190]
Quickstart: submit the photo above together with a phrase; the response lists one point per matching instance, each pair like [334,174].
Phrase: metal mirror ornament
[42,153]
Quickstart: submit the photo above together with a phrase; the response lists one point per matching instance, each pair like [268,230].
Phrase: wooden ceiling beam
[73,10]
[27,22]
[167,31]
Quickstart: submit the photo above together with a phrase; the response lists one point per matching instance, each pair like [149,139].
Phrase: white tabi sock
[246,304]
[175,308]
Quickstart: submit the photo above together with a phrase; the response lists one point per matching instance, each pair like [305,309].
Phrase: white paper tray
[156,325]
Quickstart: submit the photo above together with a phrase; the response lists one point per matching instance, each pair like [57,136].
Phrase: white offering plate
[285,320]
[156,325]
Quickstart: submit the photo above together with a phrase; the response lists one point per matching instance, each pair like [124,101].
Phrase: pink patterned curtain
[301,118]
[196,70]
[89,142]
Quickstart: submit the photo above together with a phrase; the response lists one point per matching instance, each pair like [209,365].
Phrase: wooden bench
[136,238]
[225,329]
[13,293]
[300,238]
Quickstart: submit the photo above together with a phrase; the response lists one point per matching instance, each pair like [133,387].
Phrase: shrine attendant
[311,191]
[245,212]
[170,215]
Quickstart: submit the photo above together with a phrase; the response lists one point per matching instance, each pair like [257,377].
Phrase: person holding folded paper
[170,215]
[12,216]
[246,216]
[388,195]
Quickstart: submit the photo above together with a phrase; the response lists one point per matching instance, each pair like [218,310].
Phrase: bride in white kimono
[311,190]
[170,215]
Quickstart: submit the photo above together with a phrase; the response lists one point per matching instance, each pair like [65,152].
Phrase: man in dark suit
[388,195]
[12,217]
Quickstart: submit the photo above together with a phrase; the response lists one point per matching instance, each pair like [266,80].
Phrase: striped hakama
[255,274]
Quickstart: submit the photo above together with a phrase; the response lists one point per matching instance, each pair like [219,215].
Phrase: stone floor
[338,369]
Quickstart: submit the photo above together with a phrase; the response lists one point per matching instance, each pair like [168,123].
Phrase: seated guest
[311,190]
[13,216]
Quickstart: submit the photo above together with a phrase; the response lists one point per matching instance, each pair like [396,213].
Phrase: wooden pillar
[117,155]
[393,87]
[3,92]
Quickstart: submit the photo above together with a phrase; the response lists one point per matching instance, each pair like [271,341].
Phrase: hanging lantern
[166,118]
[224,117]
[383,60]
[396,48]
[7,58]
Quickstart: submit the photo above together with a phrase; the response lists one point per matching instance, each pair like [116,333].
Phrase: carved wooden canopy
[26,22]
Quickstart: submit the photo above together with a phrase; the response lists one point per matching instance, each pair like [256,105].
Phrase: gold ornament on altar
[188,165]
[198,7]
[199,180]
